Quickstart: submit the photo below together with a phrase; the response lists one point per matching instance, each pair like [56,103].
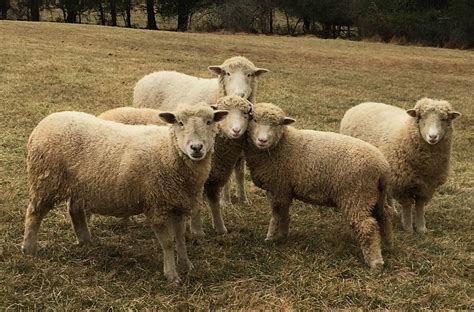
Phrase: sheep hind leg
[280,220]
[165,236]
[239,172]
[178,225]
[420,223]
[406,215]
[34,215]
[367,232]
[79,223]
[225,198]
[213,194]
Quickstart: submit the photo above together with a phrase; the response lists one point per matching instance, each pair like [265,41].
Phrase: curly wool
[417,168]
[324,168]
[111,168]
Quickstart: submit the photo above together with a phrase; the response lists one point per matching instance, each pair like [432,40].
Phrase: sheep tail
[384,213]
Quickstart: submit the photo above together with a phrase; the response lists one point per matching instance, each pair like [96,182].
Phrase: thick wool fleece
[418,168]
[133,116]
[111,168]
[324,168]
[166,90]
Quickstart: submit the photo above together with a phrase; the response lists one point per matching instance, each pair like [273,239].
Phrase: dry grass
[47,67]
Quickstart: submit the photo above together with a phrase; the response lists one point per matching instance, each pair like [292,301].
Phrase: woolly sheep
[321,168]
[416,143]
[166,90]
[228,148]
[113,169]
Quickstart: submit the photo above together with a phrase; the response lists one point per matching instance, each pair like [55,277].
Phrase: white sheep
[416,143]
[166,90]
[228,147]
[108,168]
[321,168]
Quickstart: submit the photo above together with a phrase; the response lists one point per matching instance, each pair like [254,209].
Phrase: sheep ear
[260,71]
[288,121]
[220,114]
[167,117]
[216,69]
[454,115]
[412,112]
[213,106]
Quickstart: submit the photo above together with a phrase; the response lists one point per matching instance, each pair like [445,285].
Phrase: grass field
[49,67]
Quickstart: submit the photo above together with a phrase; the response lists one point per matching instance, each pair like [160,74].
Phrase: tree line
[445,23]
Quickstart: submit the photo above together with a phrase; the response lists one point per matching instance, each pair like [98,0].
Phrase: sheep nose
[262,140]
[433,136]
[196,147]
[236,130]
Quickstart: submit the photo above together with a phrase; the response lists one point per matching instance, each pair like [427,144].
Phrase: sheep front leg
[406,216]
[280,221]
[79,223]
[196,222]
[34,215]
[165,236]
[213,194]
[178,224]
[420,223]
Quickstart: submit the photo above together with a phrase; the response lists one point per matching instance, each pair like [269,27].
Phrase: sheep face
[194,129]
[434,119]
[267,125]
[236,122]
[238,76]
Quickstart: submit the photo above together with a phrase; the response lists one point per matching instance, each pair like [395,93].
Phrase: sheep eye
[209,122]
[249,75]
[228,74]
[180,124]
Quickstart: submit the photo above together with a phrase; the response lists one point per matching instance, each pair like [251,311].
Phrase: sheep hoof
[198,234]
[222,231]
[28,250]
[376,265]
[173,278]
[421,229]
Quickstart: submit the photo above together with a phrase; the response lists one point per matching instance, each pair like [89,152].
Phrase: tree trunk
[101,12]
[287,22]
[150,11]
[183,16]
[4,6]
[35,10]
[271,22]
[306,25]
[128,15]
[71,11]
[113,12]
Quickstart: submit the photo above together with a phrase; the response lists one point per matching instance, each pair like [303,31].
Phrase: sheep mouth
[197,155]
[262,146]
[433,142]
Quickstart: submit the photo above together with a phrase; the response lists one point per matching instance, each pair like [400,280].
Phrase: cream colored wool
[226,150]
[417,167]
[120,170]
[321,168]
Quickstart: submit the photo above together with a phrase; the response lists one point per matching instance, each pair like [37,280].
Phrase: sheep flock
[171,157]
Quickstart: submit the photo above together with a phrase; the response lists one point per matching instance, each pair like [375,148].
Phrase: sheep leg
[406,216]
[196,223]
[213,194]
[79,223]
[280,221]
[239,171]
[420,223]
[178,225]
[225,198]
[368,235]
[34,215]
[166,239]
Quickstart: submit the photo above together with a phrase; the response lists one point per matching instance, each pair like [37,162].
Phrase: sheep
[228,147]
[321,168]
[108,168]
[167,89]
[416,143]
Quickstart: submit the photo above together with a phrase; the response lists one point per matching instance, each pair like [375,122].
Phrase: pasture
[49,67]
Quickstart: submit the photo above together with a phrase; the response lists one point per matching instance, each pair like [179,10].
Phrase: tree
[183,9]
[113,12]
[127,7]
[150,10]
[4,6]
[35,10]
